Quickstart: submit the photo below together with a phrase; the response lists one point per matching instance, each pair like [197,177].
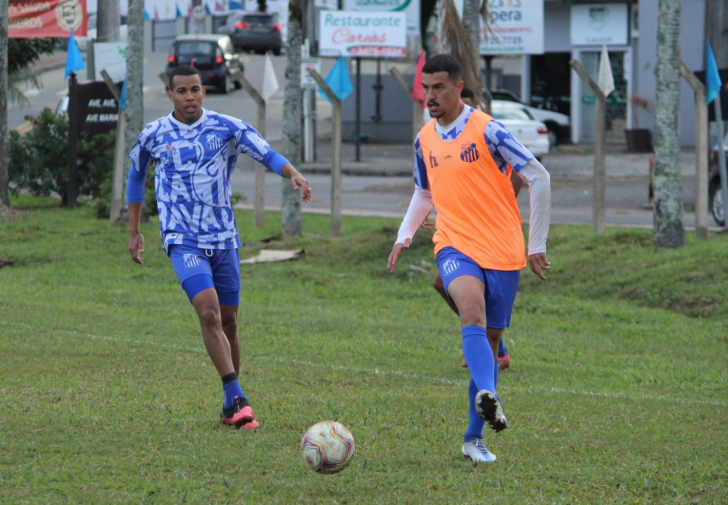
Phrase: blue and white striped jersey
[193,164]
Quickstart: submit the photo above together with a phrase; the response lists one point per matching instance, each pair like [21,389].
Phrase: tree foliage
[24,52]
[39,159]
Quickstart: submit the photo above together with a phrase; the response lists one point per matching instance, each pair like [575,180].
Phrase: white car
[559,124]
[82,42]
[533,134]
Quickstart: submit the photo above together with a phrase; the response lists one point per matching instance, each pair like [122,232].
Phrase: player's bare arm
[136,239]
[539,263]
[297,181]
[395,254]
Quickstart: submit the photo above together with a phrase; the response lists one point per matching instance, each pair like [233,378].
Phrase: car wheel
[227,84]
[553,134]
[715,203]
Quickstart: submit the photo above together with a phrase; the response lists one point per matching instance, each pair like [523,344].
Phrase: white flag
[270,83]
[606,79]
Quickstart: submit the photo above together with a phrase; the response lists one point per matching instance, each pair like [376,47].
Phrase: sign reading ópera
[359,33]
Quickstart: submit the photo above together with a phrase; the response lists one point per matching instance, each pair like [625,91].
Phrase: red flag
[417,91]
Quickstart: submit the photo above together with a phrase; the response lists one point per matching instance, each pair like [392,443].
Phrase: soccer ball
[327,447]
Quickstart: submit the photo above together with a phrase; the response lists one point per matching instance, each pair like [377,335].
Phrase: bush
[39,159]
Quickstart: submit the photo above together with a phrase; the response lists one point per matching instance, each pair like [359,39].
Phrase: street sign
[307,64]
[363,33]
[198,13]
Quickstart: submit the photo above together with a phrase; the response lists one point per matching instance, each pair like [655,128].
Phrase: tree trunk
[716,31]
[292,104]
[471,21]
[4,175]
[134,81]
[669,230]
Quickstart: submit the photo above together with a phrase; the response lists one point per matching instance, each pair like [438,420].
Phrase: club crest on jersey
[213,142]
[469,152]
[169,150]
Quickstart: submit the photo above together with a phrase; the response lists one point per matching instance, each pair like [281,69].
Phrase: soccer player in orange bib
[463,164]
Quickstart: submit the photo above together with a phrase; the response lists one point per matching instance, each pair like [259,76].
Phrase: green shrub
[39,159]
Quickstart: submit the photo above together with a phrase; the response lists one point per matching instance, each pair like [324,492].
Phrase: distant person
[461,166]
[193,151]
[504,359]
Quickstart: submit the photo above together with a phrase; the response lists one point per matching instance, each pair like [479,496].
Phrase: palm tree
[668,227]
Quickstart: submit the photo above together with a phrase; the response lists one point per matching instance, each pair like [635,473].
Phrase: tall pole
[721,157]
[134,79]
[72,191]
[599,134]
[358,109]
[4,172]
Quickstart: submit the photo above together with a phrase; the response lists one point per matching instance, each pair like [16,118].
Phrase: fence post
[117,178]
[701,153]
[336,162]
[259,199]
[599,134]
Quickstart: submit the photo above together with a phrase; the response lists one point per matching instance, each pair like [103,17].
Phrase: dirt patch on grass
[8,214]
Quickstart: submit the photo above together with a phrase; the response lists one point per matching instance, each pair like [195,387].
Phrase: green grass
[616,392]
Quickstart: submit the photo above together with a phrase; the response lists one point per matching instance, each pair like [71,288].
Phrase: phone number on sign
[391,52]
[504,41]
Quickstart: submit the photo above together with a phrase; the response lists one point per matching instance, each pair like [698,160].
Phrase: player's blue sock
[479,357]
[502,351]
[476,423]
[495,377]
[231,389]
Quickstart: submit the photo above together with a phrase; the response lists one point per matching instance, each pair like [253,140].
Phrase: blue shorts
[200,269]
[500,285]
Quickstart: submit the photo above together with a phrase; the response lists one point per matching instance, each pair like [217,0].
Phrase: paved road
[380,183]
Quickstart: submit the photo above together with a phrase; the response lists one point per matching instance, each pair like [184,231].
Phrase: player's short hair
[183,70]
[444,63]
[467,93]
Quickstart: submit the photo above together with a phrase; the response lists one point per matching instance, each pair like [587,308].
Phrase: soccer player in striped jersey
[462,165]
[193,151]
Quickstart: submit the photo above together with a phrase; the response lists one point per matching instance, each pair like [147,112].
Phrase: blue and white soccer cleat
[488,406]
[476,451]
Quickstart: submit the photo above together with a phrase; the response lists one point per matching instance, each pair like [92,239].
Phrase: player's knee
[230,326]
[472,313]
[438,285]
[209,317]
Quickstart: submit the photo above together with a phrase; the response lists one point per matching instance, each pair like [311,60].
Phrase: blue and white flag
[338,80]
[712,78]
[74,60]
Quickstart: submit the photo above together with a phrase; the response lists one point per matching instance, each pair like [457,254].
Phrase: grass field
[617,392]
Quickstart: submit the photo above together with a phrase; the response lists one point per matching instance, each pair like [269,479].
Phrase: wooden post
[259,199]
[701,153]
[117,179]
[336,162]
[417,108]
[599,138]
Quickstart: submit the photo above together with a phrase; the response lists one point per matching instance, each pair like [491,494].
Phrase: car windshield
[258,20]
[511,113]
[195,48]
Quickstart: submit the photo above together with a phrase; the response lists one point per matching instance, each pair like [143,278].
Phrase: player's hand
[426,224]
[136,246]
[299,181]
[539,263]
[395,254]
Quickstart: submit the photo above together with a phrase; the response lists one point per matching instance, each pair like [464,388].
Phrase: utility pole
[292,119]
[134,79]
[668,226]
[4,173]
[108,21]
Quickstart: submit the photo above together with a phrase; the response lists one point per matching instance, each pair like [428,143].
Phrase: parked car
[213,55]
[253,31]
[532,133]
[558,124]
[715,191]
[91,31]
